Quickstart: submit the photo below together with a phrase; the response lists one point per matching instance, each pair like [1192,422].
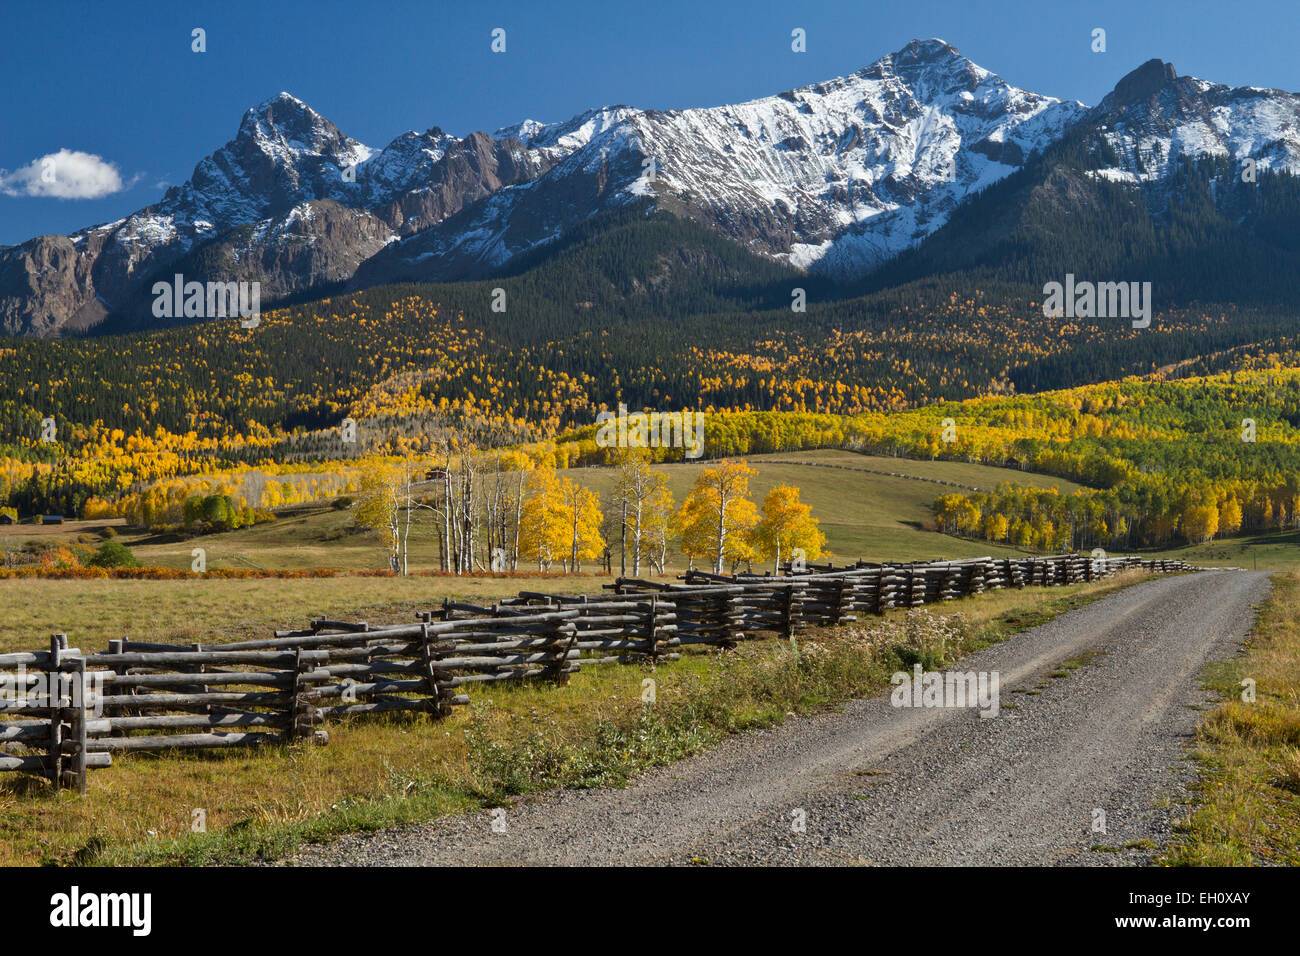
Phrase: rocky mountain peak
[284,127]
[925,53]
[932,64]
[1141,84]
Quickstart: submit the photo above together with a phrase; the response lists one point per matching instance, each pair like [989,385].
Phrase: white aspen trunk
[573,548]
[519,517]
[447,509]
[636,541]
[722,531]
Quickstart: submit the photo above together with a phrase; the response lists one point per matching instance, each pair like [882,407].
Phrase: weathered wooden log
[420,705]
[461,679]
[285,659]
[256,678]
[182,741]
[360,689]
[103,725]
[28,731]
[40,763]
[413,631]
[39,660]
[165,700]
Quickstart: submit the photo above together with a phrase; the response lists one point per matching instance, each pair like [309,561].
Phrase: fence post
[560,659]
[787,611]
[438,708]
[55,700]
[81,716]
[652,628]
[203,688]
[843,597]
[295,684]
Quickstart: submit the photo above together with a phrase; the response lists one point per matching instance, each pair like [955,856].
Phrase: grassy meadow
[511,740]
[1273,551]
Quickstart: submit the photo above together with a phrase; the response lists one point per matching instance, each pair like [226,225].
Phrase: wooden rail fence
[63,713]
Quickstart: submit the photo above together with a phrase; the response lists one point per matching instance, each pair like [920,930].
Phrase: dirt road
[874,784]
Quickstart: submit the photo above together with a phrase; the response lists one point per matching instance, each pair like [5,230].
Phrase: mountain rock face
[834,178]
[291,202]
[1154,117]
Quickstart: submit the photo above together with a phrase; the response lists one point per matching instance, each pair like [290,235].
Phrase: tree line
[500,511]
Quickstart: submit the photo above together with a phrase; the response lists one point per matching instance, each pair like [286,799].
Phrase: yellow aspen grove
[1200,522]
[1230,517]
[717,515]
[995,527]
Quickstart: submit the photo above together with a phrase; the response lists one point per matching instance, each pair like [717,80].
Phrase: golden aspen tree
[582,519]
[1200,522]
[1230,516]
[376,508]
[717,515]
[542,531]
[995,527]
[657,524]
[786,524]
[633,488]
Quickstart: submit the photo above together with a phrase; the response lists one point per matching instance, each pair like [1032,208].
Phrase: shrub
[113,554]
[60,557]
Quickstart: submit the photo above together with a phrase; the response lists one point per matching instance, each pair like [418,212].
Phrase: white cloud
[67,174]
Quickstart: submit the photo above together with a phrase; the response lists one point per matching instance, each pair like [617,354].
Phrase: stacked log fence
[65,713]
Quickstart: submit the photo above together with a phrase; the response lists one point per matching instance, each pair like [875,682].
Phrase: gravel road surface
[879,785]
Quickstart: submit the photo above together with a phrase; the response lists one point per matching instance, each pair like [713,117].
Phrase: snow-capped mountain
[836,178]
[291,202]
[1154,117]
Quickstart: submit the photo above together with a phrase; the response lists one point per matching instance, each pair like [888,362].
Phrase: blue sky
[118,80]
